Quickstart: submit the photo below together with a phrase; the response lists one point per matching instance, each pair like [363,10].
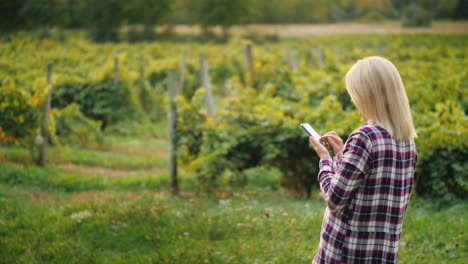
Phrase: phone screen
[310,131]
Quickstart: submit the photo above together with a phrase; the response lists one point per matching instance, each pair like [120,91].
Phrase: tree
[103,18]
[224,13]
[29,14]
[73,13]
[9,14]
[461,12]
[147,12]
[415,16]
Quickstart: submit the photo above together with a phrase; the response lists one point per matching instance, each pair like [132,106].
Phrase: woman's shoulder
[371,131]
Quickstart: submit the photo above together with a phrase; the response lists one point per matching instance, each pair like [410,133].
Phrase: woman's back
[381,201]
[366,187]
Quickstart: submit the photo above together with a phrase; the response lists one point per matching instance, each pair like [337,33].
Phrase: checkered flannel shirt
[366,188]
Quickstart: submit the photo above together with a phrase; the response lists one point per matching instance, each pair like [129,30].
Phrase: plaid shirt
[366,188]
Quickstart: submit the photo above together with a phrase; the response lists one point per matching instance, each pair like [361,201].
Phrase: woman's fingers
[334,140]
[336,147]
[319,148]
[332,136]
[314,143]
[332,133]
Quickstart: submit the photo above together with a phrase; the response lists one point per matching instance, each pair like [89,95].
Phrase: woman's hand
[321,150]
[335,141]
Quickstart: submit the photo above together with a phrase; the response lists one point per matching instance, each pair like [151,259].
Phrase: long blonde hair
[376,89]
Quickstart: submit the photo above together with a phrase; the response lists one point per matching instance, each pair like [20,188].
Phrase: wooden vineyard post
[180,86]
[293,63]
[142,71]
[116,71]
[310,57]
[172,121]
[225,78]
[206,84]
[337,55]
[250,66]
[45,118]
[320,56]
[381,50]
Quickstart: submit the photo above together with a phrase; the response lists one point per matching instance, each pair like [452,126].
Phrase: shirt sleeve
[339,180]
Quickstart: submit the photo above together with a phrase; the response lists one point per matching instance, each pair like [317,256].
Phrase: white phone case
[311,131]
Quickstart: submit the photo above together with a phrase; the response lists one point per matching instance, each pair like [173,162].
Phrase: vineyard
[257,111]
[109,110]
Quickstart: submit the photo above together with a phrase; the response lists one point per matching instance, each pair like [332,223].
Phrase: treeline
[111,14]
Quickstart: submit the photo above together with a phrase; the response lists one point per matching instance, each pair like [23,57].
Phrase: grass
[152,227]
[88,157]
[115,208]
[56,180]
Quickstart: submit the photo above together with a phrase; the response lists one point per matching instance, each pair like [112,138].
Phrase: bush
[443,175]
[416,16]
[103,35]
[73,128]
[18,113]
[442,170]
[151,100]
[253,130]
[102,101]
[136,35]
[372,17]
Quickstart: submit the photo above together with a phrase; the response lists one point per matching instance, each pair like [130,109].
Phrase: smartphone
[311,132]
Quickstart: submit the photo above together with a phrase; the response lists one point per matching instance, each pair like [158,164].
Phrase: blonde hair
[376,88]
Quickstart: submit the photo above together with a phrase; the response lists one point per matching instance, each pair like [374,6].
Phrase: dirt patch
[139,151]
[106,172]
[104,197]
[37,197]
[14,164]
[94,170]
[94,196]
[304,30]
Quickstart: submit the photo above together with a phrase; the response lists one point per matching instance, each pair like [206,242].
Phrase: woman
[368,184]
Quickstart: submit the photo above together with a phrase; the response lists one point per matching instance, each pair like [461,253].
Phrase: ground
[307,30]
[112,205]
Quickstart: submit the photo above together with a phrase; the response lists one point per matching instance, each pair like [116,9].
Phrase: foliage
[266,133]
[415,16]
[73,128]
[251,128]
[135,34]
[102,101]
[152,103]
[28,14]
[18,113]
[461,10]
[260,127]
[444,179]
[147,12]
[442,170]
[103,18]
[224,13]
[372,17]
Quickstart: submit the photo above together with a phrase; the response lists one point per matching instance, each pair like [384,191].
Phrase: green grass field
[111,205]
